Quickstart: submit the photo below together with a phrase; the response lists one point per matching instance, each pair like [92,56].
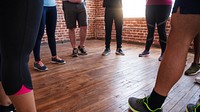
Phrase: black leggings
[19,25]
[116,15]
[157,14]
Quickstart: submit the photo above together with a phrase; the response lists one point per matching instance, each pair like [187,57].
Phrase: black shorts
[187,6]
[75,12]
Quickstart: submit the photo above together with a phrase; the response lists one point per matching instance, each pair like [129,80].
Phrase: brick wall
[134,29]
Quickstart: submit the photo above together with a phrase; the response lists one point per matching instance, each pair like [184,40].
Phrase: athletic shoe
[39,66]
[160,58]
[75,52]
[193,70]
[193,108]
[82,50]
[57,60]
[141,105]
[144,54]
[197,79]
[119,52]
[9,108]
[106,52]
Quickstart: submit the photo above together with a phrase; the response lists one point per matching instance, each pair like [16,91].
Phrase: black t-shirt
[112,3]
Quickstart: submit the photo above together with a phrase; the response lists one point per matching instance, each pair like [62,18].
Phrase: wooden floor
[96,83]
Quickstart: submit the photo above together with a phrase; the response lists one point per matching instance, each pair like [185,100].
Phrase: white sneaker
[197,79]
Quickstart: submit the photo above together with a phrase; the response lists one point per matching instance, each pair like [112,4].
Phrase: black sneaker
[141,105]
[9,108]
[75,52]
[193,108]
[57,60]
[119,52]
[39,66]
[106,52]
[144,54]
[82,50]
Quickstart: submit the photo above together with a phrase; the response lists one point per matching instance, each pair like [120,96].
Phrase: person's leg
[36,49]
[195,66]
[108,20]
[150,19]
[51,19]
[108,26]
[171,68]
[118,18]
[4,99]
[163,12]
[196,49]
[38,64]
[24,17]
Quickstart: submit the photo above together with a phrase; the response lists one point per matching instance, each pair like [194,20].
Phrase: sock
[155,100]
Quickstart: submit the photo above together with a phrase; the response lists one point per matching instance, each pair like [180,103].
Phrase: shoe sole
[146,55]
[40,70]
[54,62]
[119,54]
[105,54]
[132,109]
[192,74]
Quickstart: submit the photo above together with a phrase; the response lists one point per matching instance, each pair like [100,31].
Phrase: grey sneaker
[160,58]
[75,52]
[197,79]
[193,70]
[119,52]
[141,105]
[144,54]
[106,52]
[39,66]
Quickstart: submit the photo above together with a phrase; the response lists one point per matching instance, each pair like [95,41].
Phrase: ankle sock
[156,100]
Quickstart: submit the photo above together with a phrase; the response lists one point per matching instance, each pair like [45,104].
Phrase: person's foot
[75,52]
[193,70]
[144,54]
[197,79]
[82,50]
[160,58]
[119,52]
[193,107]
[9,108]
[39,66]
[141,105]
[57,60]
[106,52]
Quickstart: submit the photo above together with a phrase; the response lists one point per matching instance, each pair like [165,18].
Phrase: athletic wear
[49,3]
[159,2]
[112,3]
[187,6]
[49,19]
[75,12]
[19,25]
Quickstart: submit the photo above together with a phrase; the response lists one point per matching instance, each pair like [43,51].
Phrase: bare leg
[72,37]
[83,33]
[173,62]
[24,102]
[4,99]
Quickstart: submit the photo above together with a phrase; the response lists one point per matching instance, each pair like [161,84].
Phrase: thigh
[70,14]
[18,30]
[82,15]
